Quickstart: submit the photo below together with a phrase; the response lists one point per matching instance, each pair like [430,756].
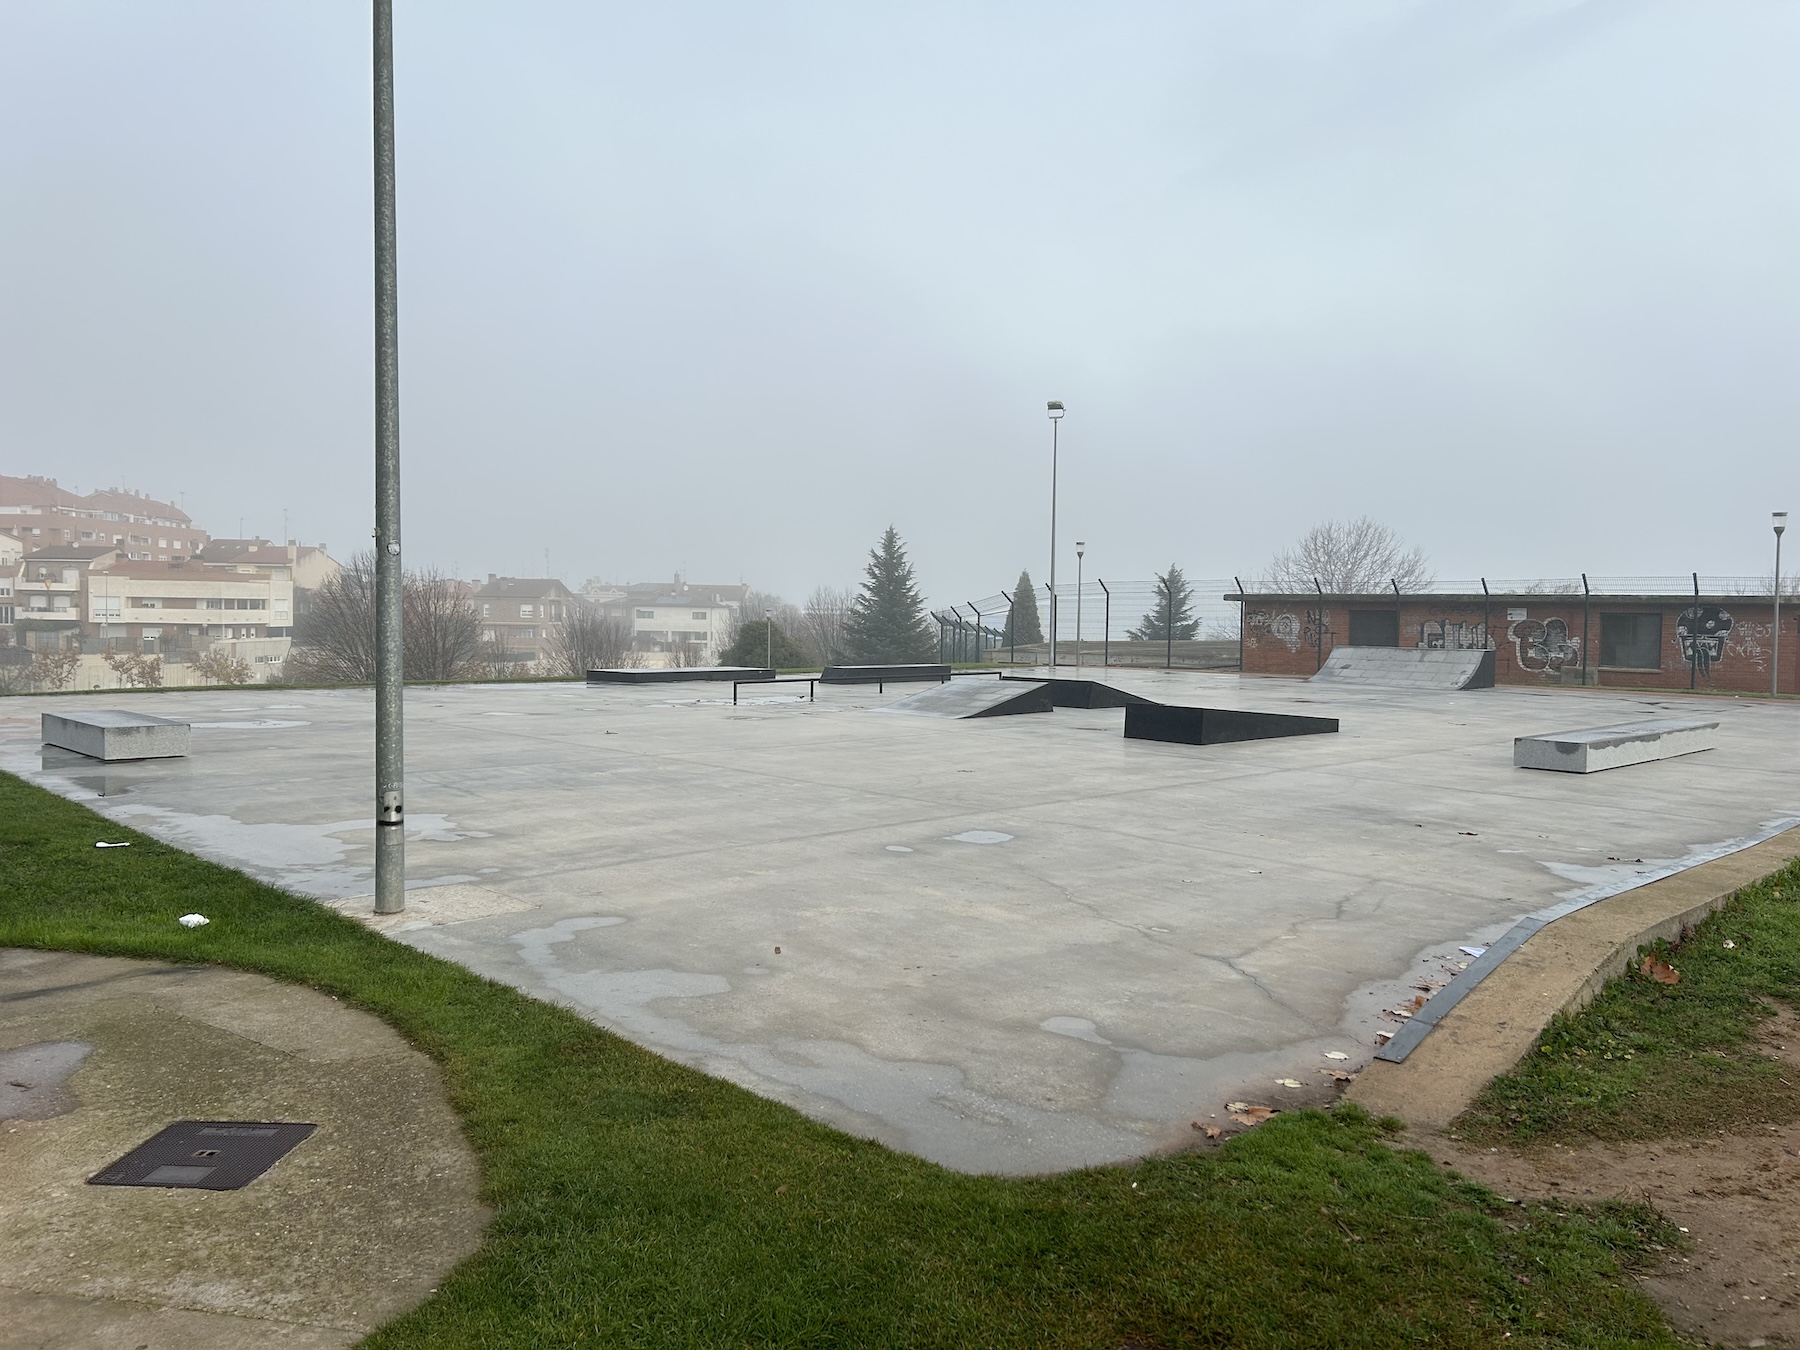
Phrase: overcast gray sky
[729,287]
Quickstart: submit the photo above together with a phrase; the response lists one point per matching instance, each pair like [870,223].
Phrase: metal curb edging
[1407,1039]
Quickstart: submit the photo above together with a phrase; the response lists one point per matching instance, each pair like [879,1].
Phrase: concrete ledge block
[1613,747]
[112,734]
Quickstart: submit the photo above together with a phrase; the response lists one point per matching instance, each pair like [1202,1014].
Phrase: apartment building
[40,514]
[310,566]
[697,620]
[519,614]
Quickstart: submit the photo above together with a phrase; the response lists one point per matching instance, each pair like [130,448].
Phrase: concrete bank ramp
[975,697]
[1408,668]
[1075,693]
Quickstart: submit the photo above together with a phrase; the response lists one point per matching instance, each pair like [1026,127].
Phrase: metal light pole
[390,673]
[769,633]
[1080,552]
[1056,413]
[1780,522]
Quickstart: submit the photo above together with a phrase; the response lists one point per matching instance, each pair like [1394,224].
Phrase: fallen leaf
[1383,1037]
[1253,1115]
[1470,833]
[1338,1075]
[1471,951]
[1237,1106]
[1660,971]
[1211,1131]
[1336,1054]
[781,1190]
[1417,1003]
[1287,1082]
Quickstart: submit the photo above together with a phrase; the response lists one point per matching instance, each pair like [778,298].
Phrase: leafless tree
[443,627]
[221,667]
[136,669]
[1354,557]
[760,604]
[820,628]
[54,669]
[586,638]
[334,641]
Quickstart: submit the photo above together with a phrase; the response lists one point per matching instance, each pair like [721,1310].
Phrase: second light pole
[1056,412]
[1080,553]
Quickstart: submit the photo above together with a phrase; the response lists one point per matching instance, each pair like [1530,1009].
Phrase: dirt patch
[1737,1195]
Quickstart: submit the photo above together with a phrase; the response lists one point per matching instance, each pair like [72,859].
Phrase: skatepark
[1012,943]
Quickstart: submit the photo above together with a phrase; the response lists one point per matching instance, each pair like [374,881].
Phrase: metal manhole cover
[207,1155]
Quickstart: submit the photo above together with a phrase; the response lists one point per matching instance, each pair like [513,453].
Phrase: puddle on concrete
[260,724]
[978,837]
[33,1078]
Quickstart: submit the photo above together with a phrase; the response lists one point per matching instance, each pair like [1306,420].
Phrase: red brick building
[1636,641]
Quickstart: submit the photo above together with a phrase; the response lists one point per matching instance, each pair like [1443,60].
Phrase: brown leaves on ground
[1659,970]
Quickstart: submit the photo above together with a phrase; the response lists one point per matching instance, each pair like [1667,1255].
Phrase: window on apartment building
[524,611]
[1631,641]
[699,614]
[646,614]
[525,633]
[487,611]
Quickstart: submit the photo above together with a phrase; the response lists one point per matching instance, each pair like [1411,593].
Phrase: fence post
[1487,618]
[1169,629]
[1398,618]
[1052,630]
[1587,608]
[1319,631]
[1012,625]
[1694,636]
[1106,636]
[1243,607]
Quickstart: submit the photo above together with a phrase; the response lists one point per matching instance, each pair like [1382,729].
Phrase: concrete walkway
[353,1227]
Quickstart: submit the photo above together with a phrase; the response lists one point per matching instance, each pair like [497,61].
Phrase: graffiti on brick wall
[1315,632]
[1543,645]
[1284,628]
[1752,642]
[1441,635]
[1702,632]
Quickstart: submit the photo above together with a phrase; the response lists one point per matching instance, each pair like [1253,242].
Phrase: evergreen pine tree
[1024,614]
[1172,615]
[886,623]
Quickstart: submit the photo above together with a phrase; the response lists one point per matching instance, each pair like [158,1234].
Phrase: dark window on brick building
[1631,641]
[1374,628]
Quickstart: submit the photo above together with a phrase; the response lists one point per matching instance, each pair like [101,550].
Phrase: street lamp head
[1056,409]
[1080,548]
[1780,522]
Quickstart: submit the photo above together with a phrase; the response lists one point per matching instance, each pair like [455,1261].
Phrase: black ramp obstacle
[1216,726]
[881,674]
[678,675]
[1070,693]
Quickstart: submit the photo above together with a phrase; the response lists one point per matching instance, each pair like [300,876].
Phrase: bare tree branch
[1355,557]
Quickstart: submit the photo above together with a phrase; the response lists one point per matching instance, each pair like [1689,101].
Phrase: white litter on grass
[1730,945]
[123,843]
[1471,951]
[1336,1054]
[192,920]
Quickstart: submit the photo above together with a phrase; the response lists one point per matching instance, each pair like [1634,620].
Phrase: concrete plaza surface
[1016,944]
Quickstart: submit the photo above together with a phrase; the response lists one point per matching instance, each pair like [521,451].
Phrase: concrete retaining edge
[1559,968]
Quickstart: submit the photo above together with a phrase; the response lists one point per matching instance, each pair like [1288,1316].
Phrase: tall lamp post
[1080,553]
[769,635]
[1056,412]
[1780,523]
[390,673]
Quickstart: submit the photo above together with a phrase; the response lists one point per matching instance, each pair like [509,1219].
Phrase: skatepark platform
[1408,668]
[1073,693]
[1614,747]
[976,698]
[1216,726]
[113,734]
[649,675]
[881,674]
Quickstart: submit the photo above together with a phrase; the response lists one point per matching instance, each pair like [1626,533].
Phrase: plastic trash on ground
[192,920]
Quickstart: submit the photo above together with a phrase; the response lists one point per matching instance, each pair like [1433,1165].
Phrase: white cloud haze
[729,288]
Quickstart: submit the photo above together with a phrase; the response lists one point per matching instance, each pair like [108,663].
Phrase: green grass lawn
[639,1203]
[1648,1060]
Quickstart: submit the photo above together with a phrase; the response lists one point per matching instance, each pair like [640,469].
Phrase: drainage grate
[207,1155]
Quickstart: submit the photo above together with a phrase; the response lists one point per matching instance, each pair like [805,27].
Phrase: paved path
[353,1227]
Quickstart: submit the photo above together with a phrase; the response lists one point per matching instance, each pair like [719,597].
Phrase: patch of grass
[639,1203]
[1650,1061]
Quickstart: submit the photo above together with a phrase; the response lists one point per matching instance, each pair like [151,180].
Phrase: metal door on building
[1374,628]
